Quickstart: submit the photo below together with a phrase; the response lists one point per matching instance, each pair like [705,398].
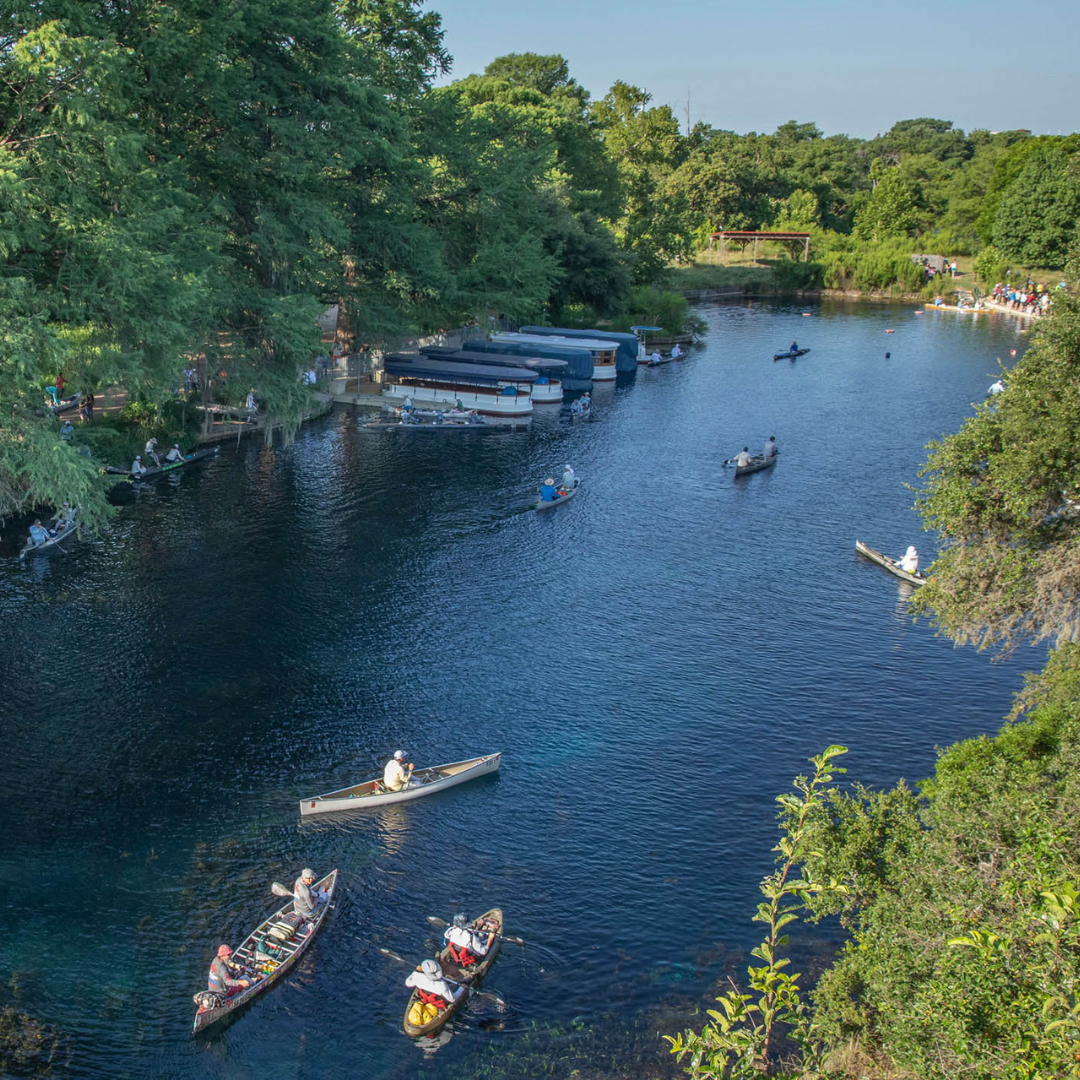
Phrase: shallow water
[657,659]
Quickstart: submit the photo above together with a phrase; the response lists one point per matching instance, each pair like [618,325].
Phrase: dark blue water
[656,660]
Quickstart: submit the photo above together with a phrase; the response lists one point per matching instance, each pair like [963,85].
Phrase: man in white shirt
[430,982]
[676,351]
[150,450]
[910,562]
[569,480]
[396,775]
[743,457]
[466,945]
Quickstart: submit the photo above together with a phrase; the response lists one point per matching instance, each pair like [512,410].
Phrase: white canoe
[883,560]
[424,782]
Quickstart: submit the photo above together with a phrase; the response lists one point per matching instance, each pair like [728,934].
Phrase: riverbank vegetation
[960,897]
[181,185]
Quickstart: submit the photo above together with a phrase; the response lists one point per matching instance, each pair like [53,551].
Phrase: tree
[1037,217]
[893,209]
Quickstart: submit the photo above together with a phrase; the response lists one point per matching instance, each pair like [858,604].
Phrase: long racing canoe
[467,976]
[883,560]
[156,470]
[424,782]
[265,972]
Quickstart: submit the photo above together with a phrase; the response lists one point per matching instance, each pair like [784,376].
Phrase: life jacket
[429,998]
[462,957]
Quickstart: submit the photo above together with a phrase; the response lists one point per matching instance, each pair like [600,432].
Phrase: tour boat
[604,353]
[545,391]
[424,782]
[490,390]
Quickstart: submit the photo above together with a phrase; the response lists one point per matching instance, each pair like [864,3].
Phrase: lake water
[656,660]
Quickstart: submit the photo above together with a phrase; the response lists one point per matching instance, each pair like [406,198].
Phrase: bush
[990,266]
[654,307]
[790,275]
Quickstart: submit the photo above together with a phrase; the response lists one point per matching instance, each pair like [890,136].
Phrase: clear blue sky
[851,68]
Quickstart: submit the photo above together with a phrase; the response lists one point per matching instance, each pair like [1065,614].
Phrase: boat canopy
[579,362]
[628,343]
[533,363]
[408,365]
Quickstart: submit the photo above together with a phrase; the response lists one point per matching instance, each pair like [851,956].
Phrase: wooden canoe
[65,405]
[169,466]
[884,560]
[542,505]
[757,463]
[790,355]
[269,972]
[424,782]
[467,977]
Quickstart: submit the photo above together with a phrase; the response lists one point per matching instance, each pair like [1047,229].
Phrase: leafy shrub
[790,275]
[654,307]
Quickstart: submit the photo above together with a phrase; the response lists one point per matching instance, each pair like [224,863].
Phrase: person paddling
[548,492]
[770,448]
[910,562]
[397,774]
[137,467]
[743,457]
[38,533]
[174,456]
[794,347]
[306,901]
[220,979]
[466,945]
[569,478]
[432,986]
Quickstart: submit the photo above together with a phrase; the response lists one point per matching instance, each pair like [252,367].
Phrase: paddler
[569,479]
[548,492]
[397,774]
[137,467]
[220,980]
[38,533]
[466,945]
[576,408]
[66,516]
[910,562]
[743,456]
[306,901]
[432,986]
[150,450]
[770,448]
[794,347]
[586,401]
[676,352]
[174,456]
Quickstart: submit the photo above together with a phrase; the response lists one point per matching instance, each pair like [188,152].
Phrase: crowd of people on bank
[1031,298]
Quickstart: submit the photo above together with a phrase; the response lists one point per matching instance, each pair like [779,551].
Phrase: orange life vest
[462,957]
[431,999]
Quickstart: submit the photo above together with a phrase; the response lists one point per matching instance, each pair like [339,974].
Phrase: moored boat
[492,390]
[789,355]
[157,470]
[883,560]
[424,782]
[467,977]
[757,463]
[604,352]
[265,972]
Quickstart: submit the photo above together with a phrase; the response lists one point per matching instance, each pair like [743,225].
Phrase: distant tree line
[183,178]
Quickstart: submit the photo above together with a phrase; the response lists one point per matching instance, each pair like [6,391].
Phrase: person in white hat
[174,456]
[137,467]
[306,900]
[569,480]
[397,774]
[431,985]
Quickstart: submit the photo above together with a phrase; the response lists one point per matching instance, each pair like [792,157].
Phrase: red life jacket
[431,999]
[461,957]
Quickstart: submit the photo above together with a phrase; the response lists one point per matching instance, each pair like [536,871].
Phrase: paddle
[472,990]
[280,890]
[442,924]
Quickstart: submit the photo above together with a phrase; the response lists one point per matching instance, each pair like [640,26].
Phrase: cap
[431,968]
[399,755]
[224,950]
[307,872]
[460,920]
[566,467]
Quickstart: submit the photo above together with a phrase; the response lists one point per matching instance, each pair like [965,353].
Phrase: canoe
[790,355]
[583,415]
[269,972]
[70,533]
[542,505]
[424,782]
[757,463]
[154,470]
[884,560]
[469,976]
[65,405]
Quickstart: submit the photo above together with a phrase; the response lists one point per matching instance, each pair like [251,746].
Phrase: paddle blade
[393,956]
[279,890]
[439,924]
[513,940]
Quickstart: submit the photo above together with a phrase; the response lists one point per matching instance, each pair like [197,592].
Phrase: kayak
[542,504]
[790,355]
[883,560]
[467,977]
[265,972]
[424,782]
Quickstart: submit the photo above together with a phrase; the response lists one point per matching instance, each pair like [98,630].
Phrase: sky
[851,68]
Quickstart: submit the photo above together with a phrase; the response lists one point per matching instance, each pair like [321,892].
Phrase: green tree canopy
[1036,220]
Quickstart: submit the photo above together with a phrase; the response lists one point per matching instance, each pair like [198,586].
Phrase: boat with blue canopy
[602,350]
[546,390]
[629,345]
